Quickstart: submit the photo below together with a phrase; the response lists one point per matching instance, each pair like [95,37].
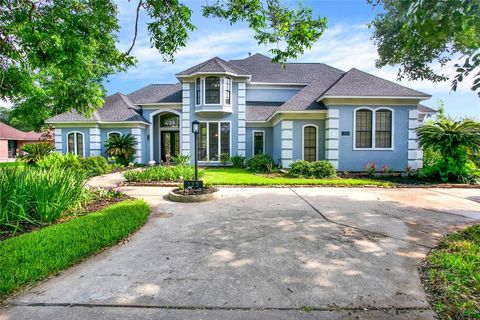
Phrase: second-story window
[212,90]
[228,90]
[198,98]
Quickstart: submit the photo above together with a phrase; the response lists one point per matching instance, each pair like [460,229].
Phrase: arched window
[310,143]
[363,128]
[212,90]
[198,98]
[113,134]
[383,128]
[228,91]
[75,143]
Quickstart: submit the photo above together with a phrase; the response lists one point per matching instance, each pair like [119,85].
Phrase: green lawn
[452,275]
[33,256]
[11,164]
[233,176]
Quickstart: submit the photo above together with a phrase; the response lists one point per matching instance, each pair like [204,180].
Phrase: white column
[58,140]
[185,132]
[286,137]
[332,136]
[415,153]
[242,131]
[137,134]
[95,142]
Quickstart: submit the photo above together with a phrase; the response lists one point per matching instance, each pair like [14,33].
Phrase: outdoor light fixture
[195,184]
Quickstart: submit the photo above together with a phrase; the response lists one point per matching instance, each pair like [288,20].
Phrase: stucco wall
[356,160]
[103,136]
[276,141]
[3,149]
[297,138]
[275,95]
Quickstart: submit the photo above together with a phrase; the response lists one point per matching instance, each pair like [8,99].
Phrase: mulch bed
[96,205]
[191,192]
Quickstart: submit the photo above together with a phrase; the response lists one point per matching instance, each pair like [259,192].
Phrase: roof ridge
[333,84]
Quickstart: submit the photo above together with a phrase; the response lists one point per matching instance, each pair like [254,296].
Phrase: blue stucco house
[308,111]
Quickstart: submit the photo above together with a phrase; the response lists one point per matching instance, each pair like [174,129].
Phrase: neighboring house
[11,140]
[308,111]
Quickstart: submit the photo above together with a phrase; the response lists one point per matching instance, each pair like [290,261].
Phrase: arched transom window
[75,143]
[310,143]
[373,129]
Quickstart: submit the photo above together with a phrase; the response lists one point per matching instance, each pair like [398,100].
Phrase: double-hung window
[214,139]
[212,90]
[198,86]
[373,129]
[258,142]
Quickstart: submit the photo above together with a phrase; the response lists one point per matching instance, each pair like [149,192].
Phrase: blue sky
[346,44]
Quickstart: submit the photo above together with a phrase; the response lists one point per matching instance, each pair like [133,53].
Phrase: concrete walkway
[263,253]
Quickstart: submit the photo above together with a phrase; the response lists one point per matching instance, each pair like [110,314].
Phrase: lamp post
[195,130]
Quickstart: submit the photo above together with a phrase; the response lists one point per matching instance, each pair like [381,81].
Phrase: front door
[170,143]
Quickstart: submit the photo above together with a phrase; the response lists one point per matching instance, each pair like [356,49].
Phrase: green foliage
[33,256]
[319,169]
[295,29]
[452,275]
[454,141]
[163,173]
[224,158]
[7,117]
[35,196]
[91,166]
[370,169]
[261,162]
[238,161]
[122,148]
[443,31]
[35,152]
[56,54]
[181,159]
[244,177]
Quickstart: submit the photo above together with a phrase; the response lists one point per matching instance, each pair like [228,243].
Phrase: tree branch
[136,27]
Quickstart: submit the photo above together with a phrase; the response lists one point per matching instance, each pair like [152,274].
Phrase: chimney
[249,54]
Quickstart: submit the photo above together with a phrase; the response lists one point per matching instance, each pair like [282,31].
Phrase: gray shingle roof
[260,111]
[157,93]
[424,108]
[263,70]
[214,65]
[306,99]
[359,83]
[116,108]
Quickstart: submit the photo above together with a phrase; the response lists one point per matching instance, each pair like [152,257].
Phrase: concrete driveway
[263,253]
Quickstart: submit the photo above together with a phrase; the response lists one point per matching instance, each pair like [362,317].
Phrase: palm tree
[121,147]
[450,137]
[35,151]
[454,141]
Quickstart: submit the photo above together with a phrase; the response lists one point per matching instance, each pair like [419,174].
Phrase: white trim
[195,95]
[280,83]
[316,140]
[296,112]
[98,122]
[75,151]
[253,141]
[374,97]
[374,114]
[213,73]
[179,114]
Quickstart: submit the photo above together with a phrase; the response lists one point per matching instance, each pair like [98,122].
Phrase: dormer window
[212,90]
[198,98]
[228,91]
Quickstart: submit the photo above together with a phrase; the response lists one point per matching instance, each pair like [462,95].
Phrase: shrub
[95,166]
[224,158]
[162,173]
[121,147]
[35,151]
[181,159]
[370,168]
[35,196]
[323,169]
[300,169]
[238,161]
[319,169]
[33,256]
[261,162]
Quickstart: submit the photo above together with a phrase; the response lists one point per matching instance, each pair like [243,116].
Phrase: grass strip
[31,257]
[243,177]
[452,275]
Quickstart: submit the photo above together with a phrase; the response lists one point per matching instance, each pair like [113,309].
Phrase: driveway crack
[354,227]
